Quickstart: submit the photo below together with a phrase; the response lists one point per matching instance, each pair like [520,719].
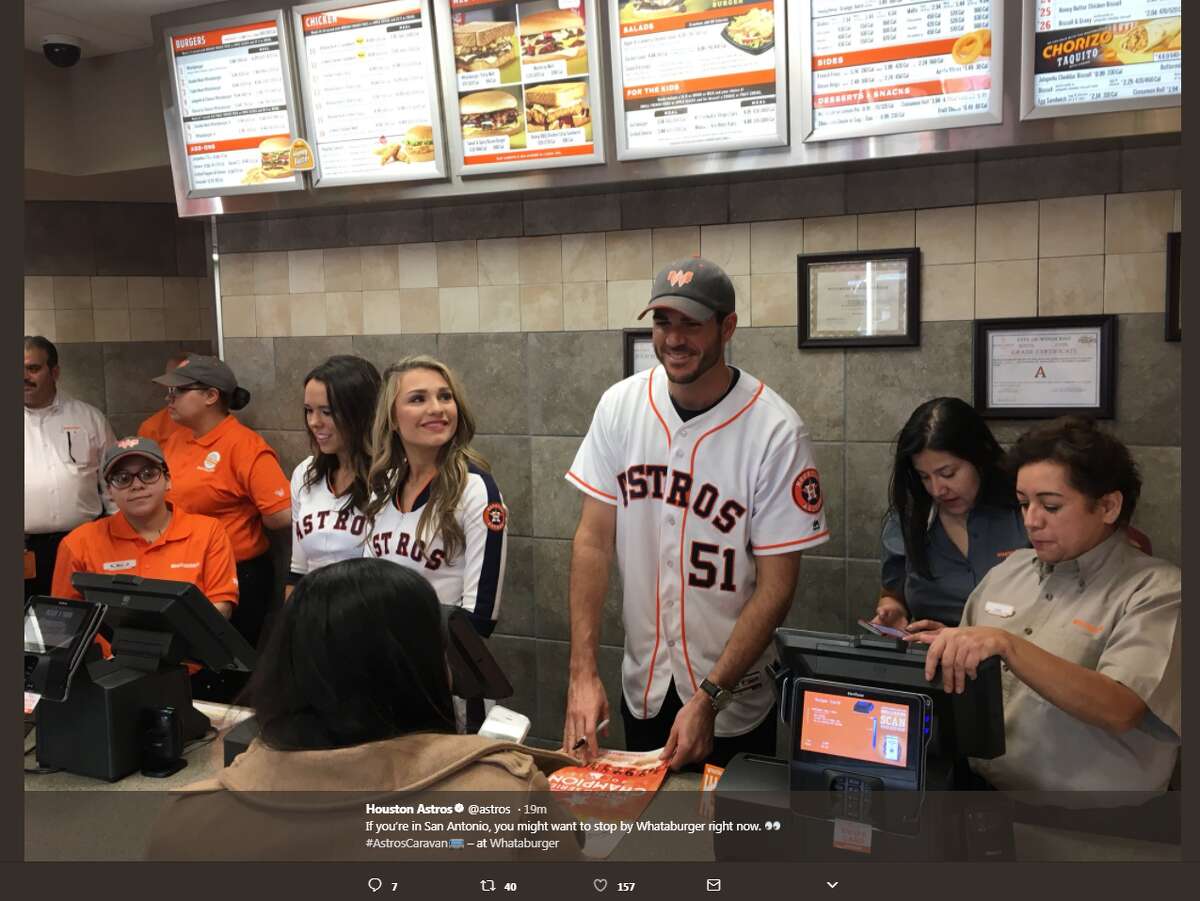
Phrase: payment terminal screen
[48,628]
[861,728]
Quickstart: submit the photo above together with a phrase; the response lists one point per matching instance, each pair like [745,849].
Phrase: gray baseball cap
[133,446]
[210,371]
[693,286]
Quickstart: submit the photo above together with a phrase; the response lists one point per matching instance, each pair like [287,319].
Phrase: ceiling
[103,26]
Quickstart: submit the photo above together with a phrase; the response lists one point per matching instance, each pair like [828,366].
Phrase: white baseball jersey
[696,502]
[323,532]
[474,579]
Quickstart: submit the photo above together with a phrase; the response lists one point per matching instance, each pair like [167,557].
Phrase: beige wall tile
[457,265]
[73,326]
[72,292]
[946,235]
[629,255]
[1135,283]
[459,309]
[145,292]
[343,269]
[419,311]
[1071,226]
[887,231]
[671,244]
[499,308]
[1138,223]
[1177,225]
[626,299]
[418,264]
[147,325]
[380,268]
[39,292]
[383,312]
[583,258]
[741,291]
[1006,289]
[208,324]
[238,317]
[1070,286]
[206,293]
[540,260]
[273,318]
[306,271]
[344,313]
[181,325]
[774,246]
[1006,231]
[585,304]
[541,308]
[111,325]
[307,314]
[728,246]
[179,293]
[773,299]
[41,322]
[828,234]
[948,292]
[498,262]
[270,273]
[237,273]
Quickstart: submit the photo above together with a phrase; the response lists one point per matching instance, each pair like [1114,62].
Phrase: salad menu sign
[695,76]
[887,66]
[370,92]
[235,113]
[1088,57]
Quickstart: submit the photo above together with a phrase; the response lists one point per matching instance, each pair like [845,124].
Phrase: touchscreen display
[860,728]
[49,627]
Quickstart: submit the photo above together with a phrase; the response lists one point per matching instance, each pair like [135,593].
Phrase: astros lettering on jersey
[696,502]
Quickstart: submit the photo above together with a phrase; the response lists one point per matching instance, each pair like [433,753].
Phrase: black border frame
[633,335]
[1107,324]
[912,335]
[1174,329]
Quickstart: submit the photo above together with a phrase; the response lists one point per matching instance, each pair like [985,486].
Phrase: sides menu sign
[887,66]
[695,76]
[234,101]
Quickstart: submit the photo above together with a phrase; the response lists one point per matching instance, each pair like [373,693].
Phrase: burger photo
[653,9]
[483,45]
[553,34]
[276,157]
[486,114]
[550,107]
[418,144]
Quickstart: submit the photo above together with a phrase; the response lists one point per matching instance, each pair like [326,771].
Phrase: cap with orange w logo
[695,287]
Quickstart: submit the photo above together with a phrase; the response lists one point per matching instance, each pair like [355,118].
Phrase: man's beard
[708,359]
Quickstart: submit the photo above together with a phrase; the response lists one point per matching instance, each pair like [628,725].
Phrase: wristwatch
[720,697]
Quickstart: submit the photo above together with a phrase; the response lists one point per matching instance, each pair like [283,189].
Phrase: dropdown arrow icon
[832,884]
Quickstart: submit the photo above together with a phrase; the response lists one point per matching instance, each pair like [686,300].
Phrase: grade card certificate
[1057,368]
[858,299]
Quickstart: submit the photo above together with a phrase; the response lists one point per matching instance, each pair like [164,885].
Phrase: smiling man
[703,481]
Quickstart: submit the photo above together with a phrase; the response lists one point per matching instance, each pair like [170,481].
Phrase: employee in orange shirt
[148,537]
[160,426]
[227,471]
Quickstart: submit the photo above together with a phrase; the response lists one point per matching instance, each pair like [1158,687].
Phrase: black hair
[950,425]
[358,655]
[38,342]
[1096,462]
[352,389]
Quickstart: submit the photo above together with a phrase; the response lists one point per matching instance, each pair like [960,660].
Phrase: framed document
[1174,286]
[1043,367]
[639,351]
[865,299]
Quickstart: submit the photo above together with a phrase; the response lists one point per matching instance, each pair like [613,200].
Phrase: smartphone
[879,629]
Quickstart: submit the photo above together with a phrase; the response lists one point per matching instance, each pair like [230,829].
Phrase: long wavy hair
[389,461]
[351,388]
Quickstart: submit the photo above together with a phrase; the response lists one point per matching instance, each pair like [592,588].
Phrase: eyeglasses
[172,393]
[147,476]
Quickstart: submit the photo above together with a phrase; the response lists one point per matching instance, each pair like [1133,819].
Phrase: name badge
[113,566]
[999,609]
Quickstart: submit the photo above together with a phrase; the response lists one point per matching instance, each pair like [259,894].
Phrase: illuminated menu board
[524,88]
[888,66]
[1089,57]
[696,76]
[370,91]
[234,107]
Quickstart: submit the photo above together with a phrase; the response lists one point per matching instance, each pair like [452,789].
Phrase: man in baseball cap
[694,287]
[197,369]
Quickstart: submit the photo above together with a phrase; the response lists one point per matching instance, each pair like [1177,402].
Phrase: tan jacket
[313,805]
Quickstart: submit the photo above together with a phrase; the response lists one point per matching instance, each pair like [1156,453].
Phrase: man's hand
[691,737]
[587,706]
[890,612]
[960,651]
[929,627]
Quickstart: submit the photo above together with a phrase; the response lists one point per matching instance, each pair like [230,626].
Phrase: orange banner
[941,47]
[515,156]
[674,23]
[205,40]
[903,91]
[325,21]
[226,146]
[696,85]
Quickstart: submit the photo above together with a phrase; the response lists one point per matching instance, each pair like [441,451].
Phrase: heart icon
[600,884]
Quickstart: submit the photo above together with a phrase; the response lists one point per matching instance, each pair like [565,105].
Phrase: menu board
[524,84]
[370,91]
[235,112]
[1088,57]
[695,76]
[887,66]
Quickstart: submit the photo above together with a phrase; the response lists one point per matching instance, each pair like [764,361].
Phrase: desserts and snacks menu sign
[1087,57]
[524,88]
[234,106]
[369,85]
[888,66]
[696,76]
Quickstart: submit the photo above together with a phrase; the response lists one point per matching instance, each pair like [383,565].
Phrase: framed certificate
[865,299]
[1174,286]
[639,351]
[1043,367]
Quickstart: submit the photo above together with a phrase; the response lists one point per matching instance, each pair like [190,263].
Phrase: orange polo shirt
[232,475]
[160,427]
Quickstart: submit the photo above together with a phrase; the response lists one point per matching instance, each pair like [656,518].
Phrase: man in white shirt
[64,442]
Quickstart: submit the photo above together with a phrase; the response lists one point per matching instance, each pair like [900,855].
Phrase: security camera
[62,50]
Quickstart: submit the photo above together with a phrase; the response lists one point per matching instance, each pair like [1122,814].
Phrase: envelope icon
[712,885]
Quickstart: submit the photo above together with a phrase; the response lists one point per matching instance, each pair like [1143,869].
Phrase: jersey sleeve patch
[806,492]
[495,517]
